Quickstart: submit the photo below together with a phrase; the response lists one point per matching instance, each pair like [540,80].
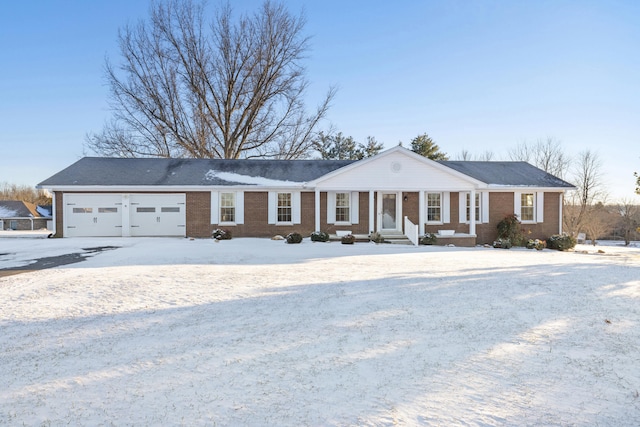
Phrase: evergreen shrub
[561,242]
[319,236]
[293,238]
[221,234]
[429,239]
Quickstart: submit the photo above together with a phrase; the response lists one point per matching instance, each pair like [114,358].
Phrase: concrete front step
[398,239]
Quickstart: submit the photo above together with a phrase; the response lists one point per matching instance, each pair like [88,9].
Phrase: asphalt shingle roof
[117,171]
[102,171]
[18,209]
[507,173]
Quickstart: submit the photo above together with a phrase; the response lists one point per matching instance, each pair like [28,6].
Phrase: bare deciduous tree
[223,88]
[588,179]
[465,155]
[24,193]
[546,154]
[629,218]
[596,222]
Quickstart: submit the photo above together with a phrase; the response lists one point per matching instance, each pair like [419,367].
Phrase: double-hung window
[227,207]
[434,207]
[342,207]
[477,207]
[527,206]
[284,208]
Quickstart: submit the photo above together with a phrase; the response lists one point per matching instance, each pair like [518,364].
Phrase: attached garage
[104,215]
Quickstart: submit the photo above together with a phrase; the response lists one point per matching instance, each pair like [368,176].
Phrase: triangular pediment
[396,169]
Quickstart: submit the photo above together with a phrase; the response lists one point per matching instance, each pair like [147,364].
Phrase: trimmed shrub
[536,244]
[293,238]
[221,234]
[429,239]
[319,236]
[502,243]
[561,242]
[376,237]
[348,239]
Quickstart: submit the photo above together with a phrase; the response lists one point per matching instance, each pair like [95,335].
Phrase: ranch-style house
[396,192]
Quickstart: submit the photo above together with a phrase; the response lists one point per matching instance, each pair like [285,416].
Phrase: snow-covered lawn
[258,332]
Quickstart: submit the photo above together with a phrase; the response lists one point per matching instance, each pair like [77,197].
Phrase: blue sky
[475,75]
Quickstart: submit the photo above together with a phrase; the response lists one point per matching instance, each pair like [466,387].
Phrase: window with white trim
[477,207]
[527,206]
[227,207]
[343,207]
[434,207]
[284,208]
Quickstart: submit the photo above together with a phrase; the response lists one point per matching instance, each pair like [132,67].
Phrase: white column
[421,217]
[472,214]
[317,209]
[371,212]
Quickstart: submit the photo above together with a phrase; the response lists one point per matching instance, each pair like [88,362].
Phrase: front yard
[258,332]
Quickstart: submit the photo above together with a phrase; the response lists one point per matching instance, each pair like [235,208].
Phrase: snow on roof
[176,172]
[44,210]
[17,209]
[246,179]
[7,213]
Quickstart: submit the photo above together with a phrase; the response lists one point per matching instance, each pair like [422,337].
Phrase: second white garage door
[157,215]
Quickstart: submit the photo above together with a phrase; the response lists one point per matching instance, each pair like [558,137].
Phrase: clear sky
[475,75]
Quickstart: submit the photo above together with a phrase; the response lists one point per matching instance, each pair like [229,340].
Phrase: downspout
[317,209]
[54,209]
[561,195]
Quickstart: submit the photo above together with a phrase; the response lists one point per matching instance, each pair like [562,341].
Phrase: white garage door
[92,215]
[157,215]
[98,215]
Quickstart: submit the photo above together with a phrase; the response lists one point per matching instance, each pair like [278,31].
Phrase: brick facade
[256,211]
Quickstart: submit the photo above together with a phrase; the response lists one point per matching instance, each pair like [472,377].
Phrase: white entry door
[388,212]
[92,215]
[157,215]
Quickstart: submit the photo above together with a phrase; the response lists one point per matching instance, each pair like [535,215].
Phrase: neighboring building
[261,198]
[18,215]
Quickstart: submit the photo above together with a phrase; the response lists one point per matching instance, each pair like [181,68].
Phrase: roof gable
[396,168]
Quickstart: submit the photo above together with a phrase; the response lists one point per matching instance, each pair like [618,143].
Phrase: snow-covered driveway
[258,332]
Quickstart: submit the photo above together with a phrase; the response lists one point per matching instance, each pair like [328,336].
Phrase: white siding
[397,171]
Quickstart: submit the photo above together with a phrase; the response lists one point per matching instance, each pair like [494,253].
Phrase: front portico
[396,184]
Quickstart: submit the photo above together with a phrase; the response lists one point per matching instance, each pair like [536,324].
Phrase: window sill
[227,224]
[284,223]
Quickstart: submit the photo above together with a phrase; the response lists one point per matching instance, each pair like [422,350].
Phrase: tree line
[24,193]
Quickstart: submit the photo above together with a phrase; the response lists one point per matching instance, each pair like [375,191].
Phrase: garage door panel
[158,215]
[93,215]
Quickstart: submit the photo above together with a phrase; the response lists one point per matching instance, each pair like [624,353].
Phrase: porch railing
[411,231]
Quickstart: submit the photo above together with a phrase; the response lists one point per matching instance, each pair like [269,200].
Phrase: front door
[388,212]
